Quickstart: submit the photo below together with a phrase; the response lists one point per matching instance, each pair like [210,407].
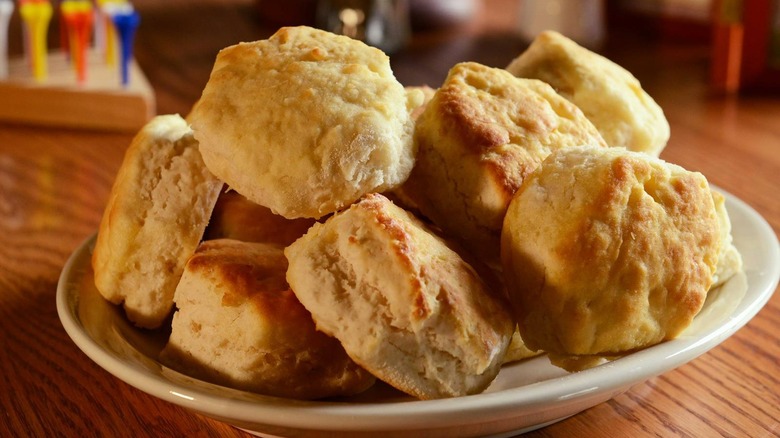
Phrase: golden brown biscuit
[236,217]
[480,135]
[607,94]
[305,122]
[606,251]
[404,305]
[518,351]
[417,97]
[159,206]
[238,324]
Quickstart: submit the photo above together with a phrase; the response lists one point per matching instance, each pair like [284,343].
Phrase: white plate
[525,396]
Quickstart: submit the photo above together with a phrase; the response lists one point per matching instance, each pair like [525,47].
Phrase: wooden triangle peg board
[101,102]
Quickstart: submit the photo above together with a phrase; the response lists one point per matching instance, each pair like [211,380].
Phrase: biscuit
[238,324]
[608,95]
[417,97]
[158,208]
[606,251]
[729,259]
[517,350]
[305,122]
[404,305]
[479,136]
[235,217]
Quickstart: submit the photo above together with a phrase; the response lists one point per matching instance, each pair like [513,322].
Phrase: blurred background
[733,44]
[741,37]
[729,45]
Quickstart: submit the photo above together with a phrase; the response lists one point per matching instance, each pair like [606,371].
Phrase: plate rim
[491,406]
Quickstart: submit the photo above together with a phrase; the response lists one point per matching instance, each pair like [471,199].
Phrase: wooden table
[54,184]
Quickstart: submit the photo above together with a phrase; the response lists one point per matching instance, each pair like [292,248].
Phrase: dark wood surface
[54,184]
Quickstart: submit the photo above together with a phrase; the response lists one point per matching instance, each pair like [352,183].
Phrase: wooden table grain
[54,184]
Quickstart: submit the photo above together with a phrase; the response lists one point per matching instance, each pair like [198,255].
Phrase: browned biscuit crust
[606,251]
[159,205]
[236,217]
[238,324]
[404,305]
[305,122]
[481,134]
[608,95]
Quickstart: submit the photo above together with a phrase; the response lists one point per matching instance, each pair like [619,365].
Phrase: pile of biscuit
[314,226]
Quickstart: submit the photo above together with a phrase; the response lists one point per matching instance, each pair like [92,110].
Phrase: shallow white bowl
[524,396]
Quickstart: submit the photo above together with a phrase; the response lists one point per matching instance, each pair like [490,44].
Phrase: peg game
[90,81]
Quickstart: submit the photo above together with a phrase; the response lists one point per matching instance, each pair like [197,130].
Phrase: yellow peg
[36,16]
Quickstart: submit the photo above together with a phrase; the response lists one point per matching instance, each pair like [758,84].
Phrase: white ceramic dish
[525,396]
